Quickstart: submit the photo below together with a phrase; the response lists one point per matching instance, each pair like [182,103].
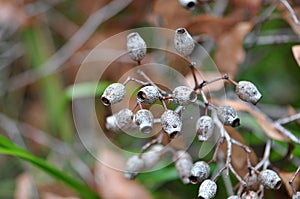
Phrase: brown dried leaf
[267,126]
[286,177]
[293,111]
[230,52]
[296,53]
[111,183]
[250,7]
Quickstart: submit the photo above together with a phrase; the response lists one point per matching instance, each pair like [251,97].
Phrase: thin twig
[288,119]
[291,10]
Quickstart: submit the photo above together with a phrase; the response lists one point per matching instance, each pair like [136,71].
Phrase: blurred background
[44,42]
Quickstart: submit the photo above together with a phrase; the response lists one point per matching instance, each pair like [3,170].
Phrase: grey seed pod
[184,95]
[183,41]
[228,116]
[153,156]
[248,92]
[233,197]
[250,195]
[171,123]
[251,179]
[114,93]
[205,128]
[199,172]
[124,118]
[144,119]
[270,179]
[111,124]
[133,166]
[297,195]
[207,189]
[148,95]
[188,4]
[136,46]
[183,166]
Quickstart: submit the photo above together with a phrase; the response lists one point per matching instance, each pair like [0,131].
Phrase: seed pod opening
[183,166]
[144,119]
[133,166]
[183,41]
[228,116]
[148,95]
[184,95]
[205,128]
[171,123]
[153,156]
[248,92]
[114,93]
[270,179]
[207,189]
[199,172]
[136,46]
[188,4]
[250,195]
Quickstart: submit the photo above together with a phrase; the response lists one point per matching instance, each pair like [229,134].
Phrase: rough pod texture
[248,92]
[297,195]
[148,94]
[120,121]
[204,127]
[207,189]
[250,195]
[144,119]
[251,179]
[228,116]
[199,172]
[184,95]
[183,41]
[233,197]
[153,156]
[136,46]
[114,93]
[270,179]
[188,4]
[171,123]
[134,165]
[183,166]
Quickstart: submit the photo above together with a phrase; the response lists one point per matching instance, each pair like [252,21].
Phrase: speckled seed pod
[188,4]
[251,179]
[270,179]
[248,92]
[207,189]
[144,119]
[124,118]
[228,116]
[233,197]
[152,156]
[199,172]
[148,95]
[171,123]
[136,46]
[134,165]
[184,95]
[250,195]
[114,93]
[111,124]
[183,41]
[297,195]
[183,166]
[205,128]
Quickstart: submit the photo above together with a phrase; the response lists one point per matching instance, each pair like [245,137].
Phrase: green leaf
[8,148]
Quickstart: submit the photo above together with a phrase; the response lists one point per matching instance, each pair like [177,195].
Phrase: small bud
[233,197]
[152,157]
[183,41]
[207,189]
[148,95]
[171,123]
[228,116]
[250,195]
[188,4]
[134,165]
[251,179]
[248,92]
[144,119]
[183,166]
[270,179]
[136,46]
[205,128]
[199,172]
[114,93]
[297,195]
[184,95]
[120,121]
